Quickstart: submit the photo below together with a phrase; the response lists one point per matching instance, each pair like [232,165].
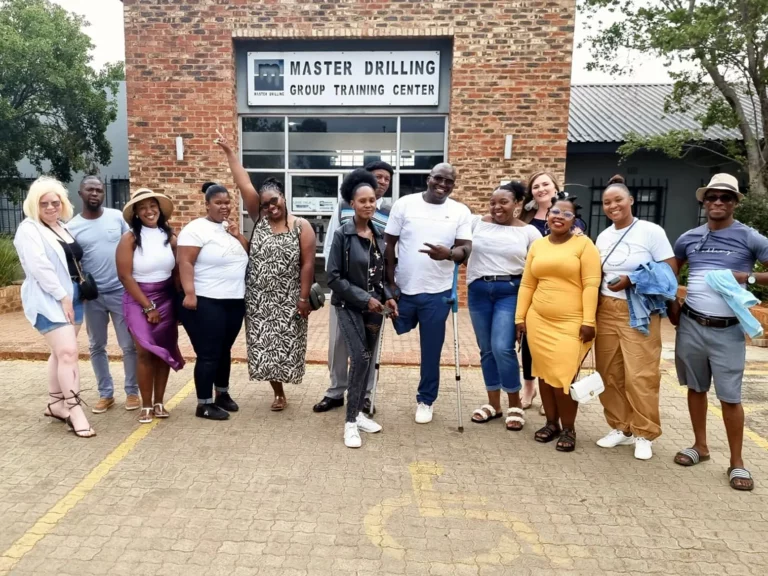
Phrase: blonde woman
[51,296]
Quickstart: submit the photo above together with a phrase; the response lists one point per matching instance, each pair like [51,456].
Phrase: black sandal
[90,432]
[567,441]
[49,413]
[547,434]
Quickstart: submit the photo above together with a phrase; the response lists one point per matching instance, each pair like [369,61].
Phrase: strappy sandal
[279,404]
[146,415]
[740,479]
[485,413]
[49,411]
[548,433]
[567,441]
[160,411]
[90,432]
[690,457]
[519,419]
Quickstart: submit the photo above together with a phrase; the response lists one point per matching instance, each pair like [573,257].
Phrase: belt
[709,321]
[507,278]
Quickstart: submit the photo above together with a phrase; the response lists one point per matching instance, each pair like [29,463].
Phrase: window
[263,143]
[339,143]
[412,183]
[649,204]
[118,192]
[422,142]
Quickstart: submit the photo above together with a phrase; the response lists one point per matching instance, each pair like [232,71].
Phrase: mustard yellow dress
[558,295]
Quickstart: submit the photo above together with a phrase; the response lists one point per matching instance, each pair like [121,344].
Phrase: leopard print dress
[276,336]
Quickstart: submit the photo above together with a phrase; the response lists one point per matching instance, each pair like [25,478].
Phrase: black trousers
[360,331]
[527,360]
[212,329]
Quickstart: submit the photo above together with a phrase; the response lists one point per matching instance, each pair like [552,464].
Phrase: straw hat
[166,206]
[724,182]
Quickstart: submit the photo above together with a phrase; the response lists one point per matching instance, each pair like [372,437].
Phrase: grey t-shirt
[99,239]
[737,248]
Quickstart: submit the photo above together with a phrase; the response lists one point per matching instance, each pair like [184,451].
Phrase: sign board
[325,205]
[343,78]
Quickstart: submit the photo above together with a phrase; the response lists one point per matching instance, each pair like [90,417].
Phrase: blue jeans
[429,312]
[492,309]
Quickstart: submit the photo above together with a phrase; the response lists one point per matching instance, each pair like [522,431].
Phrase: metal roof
[606,112]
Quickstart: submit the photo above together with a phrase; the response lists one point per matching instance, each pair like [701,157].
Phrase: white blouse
[154,260]
[499,250]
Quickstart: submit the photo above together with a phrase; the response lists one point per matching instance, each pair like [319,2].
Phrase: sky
[106,31]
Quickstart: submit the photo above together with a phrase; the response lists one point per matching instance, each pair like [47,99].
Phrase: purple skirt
[160,339]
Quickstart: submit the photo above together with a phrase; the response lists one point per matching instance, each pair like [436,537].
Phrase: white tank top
[154,261]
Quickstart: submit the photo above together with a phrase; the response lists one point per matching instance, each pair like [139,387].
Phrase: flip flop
[486,413]
[690,457]
[279,404]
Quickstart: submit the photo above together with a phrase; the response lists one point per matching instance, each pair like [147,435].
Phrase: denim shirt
[738,299]
[653,285]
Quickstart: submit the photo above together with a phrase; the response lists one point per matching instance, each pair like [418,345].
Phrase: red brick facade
[511,75]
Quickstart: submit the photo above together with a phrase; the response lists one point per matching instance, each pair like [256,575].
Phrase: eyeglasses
[724,198]
[53,204]
[568,215]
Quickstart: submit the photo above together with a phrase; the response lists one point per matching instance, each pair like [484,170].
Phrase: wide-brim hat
[724,182]
[166,206]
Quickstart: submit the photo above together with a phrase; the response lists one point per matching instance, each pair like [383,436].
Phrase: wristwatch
[152,306]
[751,280]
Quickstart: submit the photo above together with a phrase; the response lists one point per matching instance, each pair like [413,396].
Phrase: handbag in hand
[86,283]
[589,387]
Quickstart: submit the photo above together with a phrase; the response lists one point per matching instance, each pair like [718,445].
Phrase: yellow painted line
[748,432]
[48,522]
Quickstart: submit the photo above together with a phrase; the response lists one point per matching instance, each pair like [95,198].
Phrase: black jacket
[348,267]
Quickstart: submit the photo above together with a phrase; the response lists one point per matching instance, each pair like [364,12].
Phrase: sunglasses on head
[724,198]
[568,215]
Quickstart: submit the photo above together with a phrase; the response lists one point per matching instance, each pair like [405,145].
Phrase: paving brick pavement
[278,493]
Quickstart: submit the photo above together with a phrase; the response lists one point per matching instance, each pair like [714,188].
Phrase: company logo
[269,76]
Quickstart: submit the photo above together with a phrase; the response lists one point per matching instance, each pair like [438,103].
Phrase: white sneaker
[365,424]
[423,413]
[643,449]
[615,438]
[352,436]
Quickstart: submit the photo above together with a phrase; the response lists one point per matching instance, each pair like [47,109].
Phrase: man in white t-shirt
[434,233]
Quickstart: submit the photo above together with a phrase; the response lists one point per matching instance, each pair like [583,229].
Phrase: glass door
[315,197]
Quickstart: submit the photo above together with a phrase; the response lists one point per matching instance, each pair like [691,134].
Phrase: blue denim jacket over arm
[653,285]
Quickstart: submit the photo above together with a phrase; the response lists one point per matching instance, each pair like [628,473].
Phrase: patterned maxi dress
[276,335]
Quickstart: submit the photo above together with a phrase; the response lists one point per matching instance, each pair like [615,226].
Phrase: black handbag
[86,283]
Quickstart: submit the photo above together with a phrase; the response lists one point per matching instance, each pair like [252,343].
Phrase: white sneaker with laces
[643,449]
[352,435]
[615,438]
[365,424]
[423,413]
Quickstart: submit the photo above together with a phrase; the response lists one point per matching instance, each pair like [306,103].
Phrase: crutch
[379,344]
[453,301]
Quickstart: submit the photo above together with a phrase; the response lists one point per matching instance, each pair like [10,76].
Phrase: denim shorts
[43,325]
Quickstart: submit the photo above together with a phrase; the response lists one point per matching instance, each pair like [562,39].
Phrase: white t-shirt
[646,242]
[499,250]
[220,266]
[416,222]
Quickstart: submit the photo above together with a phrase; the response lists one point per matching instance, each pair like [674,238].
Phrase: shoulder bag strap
[69,249]
[617,243]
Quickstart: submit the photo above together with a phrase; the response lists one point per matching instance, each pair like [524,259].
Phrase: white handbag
[589,387]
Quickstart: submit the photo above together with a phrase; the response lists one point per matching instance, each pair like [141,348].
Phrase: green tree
[722,46]
[54,107]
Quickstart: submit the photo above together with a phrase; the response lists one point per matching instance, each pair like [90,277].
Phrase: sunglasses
[272,202]
[568,215]
[54,204]
[724,198]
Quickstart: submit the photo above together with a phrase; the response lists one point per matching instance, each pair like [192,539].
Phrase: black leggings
[527,360]
[360,331]
[213,329]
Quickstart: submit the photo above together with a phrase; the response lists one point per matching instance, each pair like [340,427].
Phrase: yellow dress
[558,295]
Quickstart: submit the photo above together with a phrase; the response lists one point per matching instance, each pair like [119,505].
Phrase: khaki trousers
[628,363]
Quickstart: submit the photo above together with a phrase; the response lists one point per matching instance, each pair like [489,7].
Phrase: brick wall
[10,299]
[511,75]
